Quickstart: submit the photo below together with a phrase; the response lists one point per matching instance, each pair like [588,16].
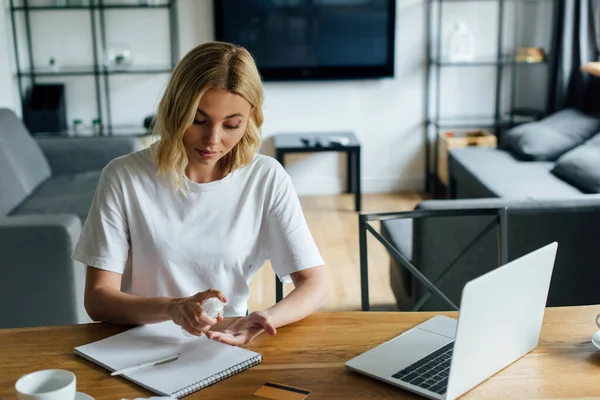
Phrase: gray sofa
[547,175]
[46,188]
[557,157]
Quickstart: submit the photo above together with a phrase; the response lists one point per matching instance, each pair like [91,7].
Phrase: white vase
[461,43]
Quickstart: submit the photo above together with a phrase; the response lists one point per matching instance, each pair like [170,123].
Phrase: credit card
[277,391]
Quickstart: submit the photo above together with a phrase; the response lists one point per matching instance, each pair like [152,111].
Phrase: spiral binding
[211,380]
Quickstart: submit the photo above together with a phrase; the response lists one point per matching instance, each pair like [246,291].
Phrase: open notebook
[203,361]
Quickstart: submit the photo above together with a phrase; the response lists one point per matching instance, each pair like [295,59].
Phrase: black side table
[313,143]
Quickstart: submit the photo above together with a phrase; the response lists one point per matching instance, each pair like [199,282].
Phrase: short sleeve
[104,239]
[290,244]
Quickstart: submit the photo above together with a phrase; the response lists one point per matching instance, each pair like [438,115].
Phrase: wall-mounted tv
[311,39]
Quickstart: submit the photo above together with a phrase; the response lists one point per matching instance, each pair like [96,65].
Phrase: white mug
[47,384]
[598,320]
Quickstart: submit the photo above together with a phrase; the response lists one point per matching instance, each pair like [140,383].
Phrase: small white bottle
[212,307]
[461,43]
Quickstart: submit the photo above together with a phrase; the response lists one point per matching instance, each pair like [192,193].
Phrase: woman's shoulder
[266,164]
[265,168]
[128,164]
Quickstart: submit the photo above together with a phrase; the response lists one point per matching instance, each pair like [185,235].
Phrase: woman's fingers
[186,325]
[213,293]
[205,319]
[263,320]
[269,328]
[198,321]
[227,338]
[191,328]
[201,316]
[214,334]
[193,318]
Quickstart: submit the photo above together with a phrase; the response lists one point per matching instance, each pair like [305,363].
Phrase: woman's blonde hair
[214,65]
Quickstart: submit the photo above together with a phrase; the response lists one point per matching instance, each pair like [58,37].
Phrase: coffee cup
[598,320]
[48,384]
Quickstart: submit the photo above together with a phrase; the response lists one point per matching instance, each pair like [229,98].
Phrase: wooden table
[311,354]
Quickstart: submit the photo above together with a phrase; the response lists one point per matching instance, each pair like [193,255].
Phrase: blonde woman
[199,212]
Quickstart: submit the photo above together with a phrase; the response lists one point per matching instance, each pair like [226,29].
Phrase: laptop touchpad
[400,352]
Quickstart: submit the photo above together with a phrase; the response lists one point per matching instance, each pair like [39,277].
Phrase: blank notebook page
[203,361]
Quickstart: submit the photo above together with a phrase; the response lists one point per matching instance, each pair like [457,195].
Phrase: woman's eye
[198,122]
[231,127]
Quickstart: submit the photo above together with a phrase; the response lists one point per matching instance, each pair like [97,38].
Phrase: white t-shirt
[216,237]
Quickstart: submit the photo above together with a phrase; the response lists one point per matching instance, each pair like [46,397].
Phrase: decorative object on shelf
[338,140]
[77,126]
[461,43]
[118,56]
[97,126]
[530,54]
[53,64]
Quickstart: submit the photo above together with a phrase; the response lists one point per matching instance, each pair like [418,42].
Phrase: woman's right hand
[188,313]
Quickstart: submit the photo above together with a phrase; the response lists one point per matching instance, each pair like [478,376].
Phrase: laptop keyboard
[431,372]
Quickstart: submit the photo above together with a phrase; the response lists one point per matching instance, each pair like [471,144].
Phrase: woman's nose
[213,136]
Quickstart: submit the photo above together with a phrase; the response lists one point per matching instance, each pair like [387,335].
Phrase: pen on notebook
[146,364]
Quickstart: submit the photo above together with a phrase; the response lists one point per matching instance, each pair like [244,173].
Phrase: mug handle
[598,320]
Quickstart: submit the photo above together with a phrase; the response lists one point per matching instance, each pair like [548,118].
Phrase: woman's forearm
[109,305]
[306,298]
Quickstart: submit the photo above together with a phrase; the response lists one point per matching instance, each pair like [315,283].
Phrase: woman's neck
[204,173]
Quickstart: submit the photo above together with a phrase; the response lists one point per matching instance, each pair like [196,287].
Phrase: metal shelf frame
[97,13]
[496,122]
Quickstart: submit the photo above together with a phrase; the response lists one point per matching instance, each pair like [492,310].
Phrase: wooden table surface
[311,355]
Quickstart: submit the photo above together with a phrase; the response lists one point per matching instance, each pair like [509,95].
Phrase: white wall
[386,114]
[8,88]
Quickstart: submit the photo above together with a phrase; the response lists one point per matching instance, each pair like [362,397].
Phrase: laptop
[499,322]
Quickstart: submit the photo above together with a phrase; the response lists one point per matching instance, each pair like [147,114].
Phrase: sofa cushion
[64,194]
[549,138]
[490,172]
[581,166]
[22,164]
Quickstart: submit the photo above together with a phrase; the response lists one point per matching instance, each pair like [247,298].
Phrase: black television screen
[311,39]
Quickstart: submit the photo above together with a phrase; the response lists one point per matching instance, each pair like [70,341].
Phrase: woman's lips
[206,153]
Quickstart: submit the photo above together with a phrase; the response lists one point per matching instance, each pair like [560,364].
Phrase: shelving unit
[99,71]
[505,65]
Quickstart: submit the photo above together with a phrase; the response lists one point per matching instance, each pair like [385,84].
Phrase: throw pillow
[551,137]
[581,166]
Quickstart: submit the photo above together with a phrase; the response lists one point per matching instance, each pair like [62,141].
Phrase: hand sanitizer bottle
[461,43]
[212,307]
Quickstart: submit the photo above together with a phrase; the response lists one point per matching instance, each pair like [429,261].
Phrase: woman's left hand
[244,330]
